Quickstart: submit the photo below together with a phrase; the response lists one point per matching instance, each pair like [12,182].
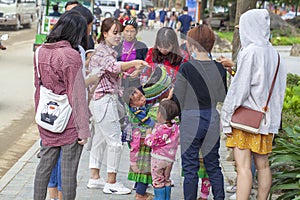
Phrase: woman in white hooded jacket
[256,66]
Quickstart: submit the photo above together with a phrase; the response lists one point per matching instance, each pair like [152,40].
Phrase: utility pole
[199,11]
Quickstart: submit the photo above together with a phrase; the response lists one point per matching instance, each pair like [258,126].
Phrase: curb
[19,165]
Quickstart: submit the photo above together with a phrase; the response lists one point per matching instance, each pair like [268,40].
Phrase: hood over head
[254,27]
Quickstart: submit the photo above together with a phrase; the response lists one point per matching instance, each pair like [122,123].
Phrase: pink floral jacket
[164,141]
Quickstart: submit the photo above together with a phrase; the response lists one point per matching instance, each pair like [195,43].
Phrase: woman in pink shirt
[60,68]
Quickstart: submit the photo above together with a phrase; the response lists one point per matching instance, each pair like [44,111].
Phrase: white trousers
[107,133]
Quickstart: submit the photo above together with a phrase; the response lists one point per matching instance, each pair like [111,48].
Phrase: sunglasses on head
[194,25]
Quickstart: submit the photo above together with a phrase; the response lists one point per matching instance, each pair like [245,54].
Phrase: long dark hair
[71,26]
[87,14]
[166,37]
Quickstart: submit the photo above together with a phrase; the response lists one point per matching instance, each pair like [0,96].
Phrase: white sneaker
[96,183]
[231,189]
[116,188]
[233,197]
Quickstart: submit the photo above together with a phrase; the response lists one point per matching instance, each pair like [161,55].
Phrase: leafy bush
[226,35]
[285,158]
[276,40]
[290,112]
[292,97]
[292,79]
[285,161]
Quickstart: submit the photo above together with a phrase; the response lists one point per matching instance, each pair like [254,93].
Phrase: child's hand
[170,95]
[148,131]
[134,168]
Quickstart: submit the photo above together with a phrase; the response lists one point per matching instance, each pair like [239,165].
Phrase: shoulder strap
[37,61]
[272,86]
[37,64]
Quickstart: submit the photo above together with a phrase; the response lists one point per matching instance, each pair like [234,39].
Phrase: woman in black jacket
[131,49]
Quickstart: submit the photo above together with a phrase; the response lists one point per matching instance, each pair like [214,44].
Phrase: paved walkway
[17,183]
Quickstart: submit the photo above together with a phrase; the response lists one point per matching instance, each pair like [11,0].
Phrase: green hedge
[276,40]
[285,158]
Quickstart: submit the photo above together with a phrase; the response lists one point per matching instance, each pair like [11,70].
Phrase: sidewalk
[17,183]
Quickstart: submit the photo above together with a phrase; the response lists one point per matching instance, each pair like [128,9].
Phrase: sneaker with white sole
[231,189]
[96,183]
[233,197]
[116,188]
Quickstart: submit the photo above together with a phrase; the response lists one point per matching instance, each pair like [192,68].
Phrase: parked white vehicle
[107,7]
[17,13]
[137,4]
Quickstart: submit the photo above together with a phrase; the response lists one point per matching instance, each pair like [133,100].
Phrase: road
[16,99]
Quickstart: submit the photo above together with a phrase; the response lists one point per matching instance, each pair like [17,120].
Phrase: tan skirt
[257,143]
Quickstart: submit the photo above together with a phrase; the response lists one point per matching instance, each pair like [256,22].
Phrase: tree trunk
[232,12]
[203,7]
[241,7]
[178,5]
[171,3]
[211,8]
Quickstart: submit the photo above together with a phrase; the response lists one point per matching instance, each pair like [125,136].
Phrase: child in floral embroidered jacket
[139,116]
[164,141]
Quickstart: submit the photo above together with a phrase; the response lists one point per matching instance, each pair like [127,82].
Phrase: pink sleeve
[80,109]
[135,146]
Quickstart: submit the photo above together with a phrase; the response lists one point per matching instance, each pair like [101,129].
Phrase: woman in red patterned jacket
[166,51]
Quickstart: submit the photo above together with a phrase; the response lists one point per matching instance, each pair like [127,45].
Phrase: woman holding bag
[60,70]
[256,66]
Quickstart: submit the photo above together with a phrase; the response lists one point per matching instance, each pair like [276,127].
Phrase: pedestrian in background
[162,17]
[184,23]
[200,85]
[117,13]
[60,67]
[55,12]
[151,18]
[105,106]
[173,19]
[256,65]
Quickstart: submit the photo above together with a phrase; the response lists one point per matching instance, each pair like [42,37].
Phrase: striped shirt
[104,64]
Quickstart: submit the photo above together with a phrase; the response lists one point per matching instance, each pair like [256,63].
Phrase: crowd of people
[158,98]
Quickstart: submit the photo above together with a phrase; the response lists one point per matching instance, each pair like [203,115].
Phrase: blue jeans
[200,130]
[141,188]
[55,178]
